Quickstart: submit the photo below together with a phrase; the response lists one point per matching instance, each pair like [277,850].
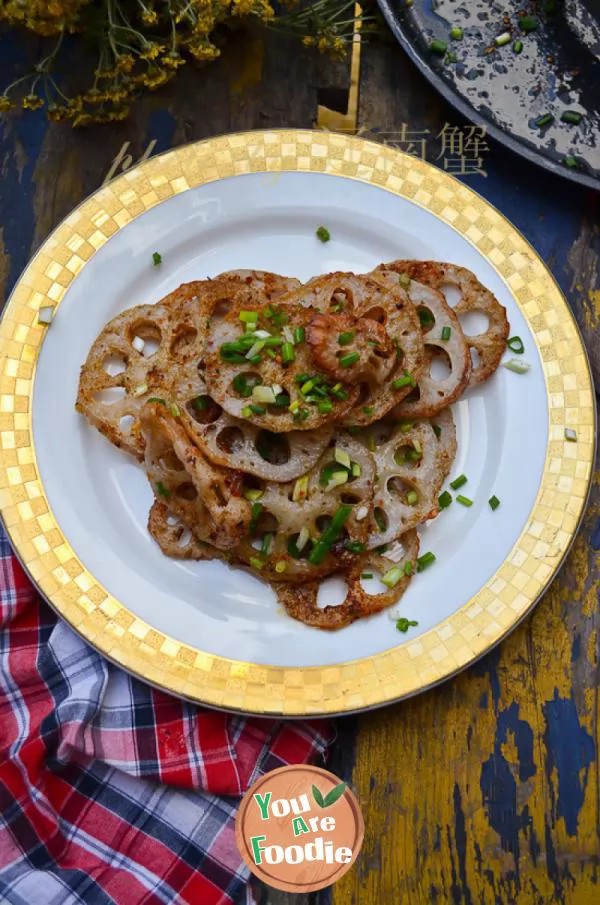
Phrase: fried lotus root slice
[239,444]
[293,515]
[334,293]
[490,344]
[117,378]
[207,498]
[269,285]
[445,430]
[174,537]
[409,477]
[362,343]
[232,381]
[301,602]
[435,393]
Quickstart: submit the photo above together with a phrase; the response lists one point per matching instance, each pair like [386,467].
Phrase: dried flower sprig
[140,45]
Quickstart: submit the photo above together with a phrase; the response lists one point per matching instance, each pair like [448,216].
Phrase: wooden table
[484,791]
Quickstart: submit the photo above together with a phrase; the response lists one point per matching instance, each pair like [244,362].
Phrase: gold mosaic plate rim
[400,672]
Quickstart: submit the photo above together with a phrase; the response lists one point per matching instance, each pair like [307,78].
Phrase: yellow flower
[172,60]
[125,63]
[32,102]
[151,51]
[309,41]
[6,103]
[150,17]
[83,119]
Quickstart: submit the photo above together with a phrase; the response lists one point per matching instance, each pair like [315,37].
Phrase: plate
[557,70]
[76,508]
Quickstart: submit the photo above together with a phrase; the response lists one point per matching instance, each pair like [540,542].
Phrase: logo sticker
[299,828]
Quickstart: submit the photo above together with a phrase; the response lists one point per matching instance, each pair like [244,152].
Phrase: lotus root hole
[381,519]
[126,424]
[332,592]
[351,499]
[341,297]
[222,308]
[382,432]
[373,586]
[451,293]
[401,458]
[183,339]
[273,448]
[170,462]
[399,488]
[172,520]
[186,536]
[475,358]
[364,395]
[150,333]
[441,366]
[426,317]
[376,314]
[252,379]
[474,323]
[114,364]
[230,439]
[203,409]
[186,491]
[109,396]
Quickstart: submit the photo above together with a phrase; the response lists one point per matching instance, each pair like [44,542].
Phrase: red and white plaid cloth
[110,791]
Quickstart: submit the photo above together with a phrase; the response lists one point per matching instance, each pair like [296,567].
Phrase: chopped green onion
[368,409]
[444,500]
[572,116]
[446,333]
[273,341]
[338,477]
[246,411]
[303,539]
[356,470]
[502,39]
[494,503]
[323,234]
[518,367]
[382,549]
[439,47]
[346,361]
[262,394]
[164,402]
[460,481]
[404,280]
[300,491]
[287,353]
[256,563]
[156,258]
[254,516]
[162,490]
[372,444]
[307,387]
[425,317]
[367,575]
[515,344]
[281,566]
[464,500]
[528,23]
[342,457]
[257,409]
[517,46]
[437,430]
[299,334]
[406,427]
[456,33]
[46,314]
[570,435]
[545,120]
[393,576]
[404,624]
[282,400]
[301,415]
[344,339]
[241,385]
[354,546]
[271,353]
[256,348]
[233,352]
[248,317]
[571,162]
[325,406]
[406,381]
[412,497]
[338,392]
[175,410]
[423,562]
[408,568]
[330,535]
[266,544]
[252,494]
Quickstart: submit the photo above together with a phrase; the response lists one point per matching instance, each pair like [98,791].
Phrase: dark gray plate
[558,70]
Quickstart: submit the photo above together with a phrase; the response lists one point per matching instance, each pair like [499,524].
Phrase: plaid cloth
[111,791]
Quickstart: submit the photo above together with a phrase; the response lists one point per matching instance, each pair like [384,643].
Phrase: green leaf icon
[334,795]
[318,797]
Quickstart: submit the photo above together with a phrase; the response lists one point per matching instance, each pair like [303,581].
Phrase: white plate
[77,512]
[101,498]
